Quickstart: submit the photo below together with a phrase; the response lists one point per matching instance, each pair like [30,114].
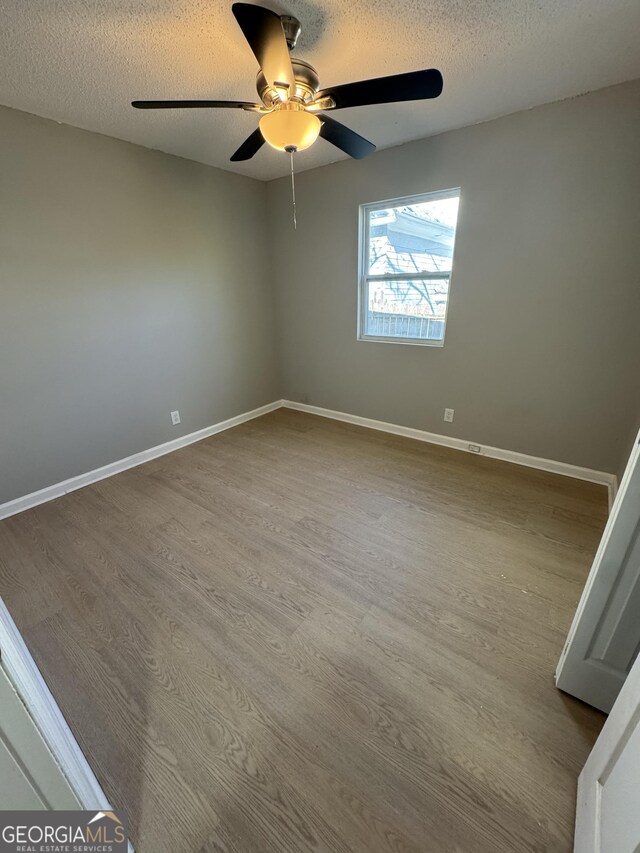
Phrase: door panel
[604,639]
[615,644]
[608,808]
[16,790]
[619,813]
[30,778]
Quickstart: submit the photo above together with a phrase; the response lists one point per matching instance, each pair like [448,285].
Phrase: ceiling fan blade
[262,28]
[191,105]
[249,147]
[413,86]
[344,138]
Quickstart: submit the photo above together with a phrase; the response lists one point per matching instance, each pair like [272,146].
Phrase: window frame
[363,265]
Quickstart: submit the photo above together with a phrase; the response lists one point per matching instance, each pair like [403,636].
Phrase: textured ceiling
[82,61]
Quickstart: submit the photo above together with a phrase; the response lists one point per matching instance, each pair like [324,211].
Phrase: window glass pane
[413,238]
[407,309]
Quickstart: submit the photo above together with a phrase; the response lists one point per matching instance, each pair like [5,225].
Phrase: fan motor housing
[307,84]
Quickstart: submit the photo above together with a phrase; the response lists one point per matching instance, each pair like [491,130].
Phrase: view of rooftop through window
[408,260]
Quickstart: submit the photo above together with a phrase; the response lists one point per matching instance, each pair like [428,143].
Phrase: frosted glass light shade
[290,126]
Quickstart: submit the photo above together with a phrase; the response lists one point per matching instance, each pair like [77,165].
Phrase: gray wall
[131,283]
[548,236]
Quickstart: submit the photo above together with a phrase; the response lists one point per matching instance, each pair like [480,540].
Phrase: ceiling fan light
[290,126]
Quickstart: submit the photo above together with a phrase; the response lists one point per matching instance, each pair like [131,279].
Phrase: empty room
[319,426]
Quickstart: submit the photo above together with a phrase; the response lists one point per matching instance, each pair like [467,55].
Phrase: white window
[406,257]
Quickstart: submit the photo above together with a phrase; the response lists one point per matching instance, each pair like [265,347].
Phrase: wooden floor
[300,635]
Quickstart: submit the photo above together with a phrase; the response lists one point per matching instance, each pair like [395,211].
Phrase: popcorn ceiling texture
[83,61]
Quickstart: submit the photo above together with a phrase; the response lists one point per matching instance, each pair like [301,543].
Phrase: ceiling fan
[293,106]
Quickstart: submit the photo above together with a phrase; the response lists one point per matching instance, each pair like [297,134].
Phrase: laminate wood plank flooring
[301,635]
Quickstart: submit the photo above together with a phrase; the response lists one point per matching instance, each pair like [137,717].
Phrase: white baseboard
[47,716]
[70,485]
[59,489]
[601,477]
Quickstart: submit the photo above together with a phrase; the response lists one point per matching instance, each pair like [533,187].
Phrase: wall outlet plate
[175,417]
[475,448]
[448,415]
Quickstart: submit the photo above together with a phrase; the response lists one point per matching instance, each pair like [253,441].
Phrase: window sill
[414,342]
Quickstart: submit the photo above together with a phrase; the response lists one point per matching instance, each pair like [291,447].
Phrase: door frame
[47,716]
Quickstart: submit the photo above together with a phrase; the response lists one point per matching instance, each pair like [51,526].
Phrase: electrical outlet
[475,448]
[175,418]
[448,415]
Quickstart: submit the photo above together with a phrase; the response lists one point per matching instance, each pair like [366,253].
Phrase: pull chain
[293,189]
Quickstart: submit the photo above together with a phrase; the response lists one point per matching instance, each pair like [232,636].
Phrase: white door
[41,764]
[30,777]
[604,639]
[608,809]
